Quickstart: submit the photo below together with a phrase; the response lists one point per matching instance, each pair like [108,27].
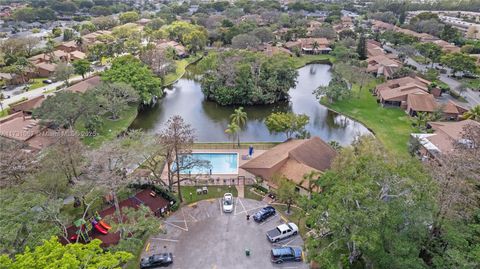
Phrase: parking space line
[164,239]
[220,204]
[184,219]
[176,226]
[148,247]
[244,209]
[270,219]
[286,244]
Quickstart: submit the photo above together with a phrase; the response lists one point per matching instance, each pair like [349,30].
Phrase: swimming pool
[221,163]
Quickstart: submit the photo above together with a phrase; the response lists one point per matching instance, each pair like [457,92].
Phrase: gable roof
[28,105]
[393,94]
[445,135]
[85,85]
[423,102]
[293,159]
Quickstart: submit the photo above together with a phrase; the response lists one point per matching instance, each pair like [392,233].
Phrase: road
[472,97]
[36,92]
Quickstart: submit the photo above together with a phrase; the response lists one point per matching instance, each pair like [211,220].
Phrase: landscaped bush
[260,188]
[160,191]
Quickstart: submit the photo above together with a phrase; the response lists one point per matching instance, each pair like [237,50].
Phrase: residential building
[28,106]
[445,136]
[180,50]
[310,45]
[26,130]
[85,85]
[383,65]
[292,160]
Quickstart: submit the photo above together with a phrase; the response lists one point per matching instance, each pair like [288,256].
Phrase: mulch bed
[143,197]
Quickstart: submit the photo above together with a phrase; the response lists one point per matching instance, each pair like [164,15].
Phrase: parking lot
[202,236]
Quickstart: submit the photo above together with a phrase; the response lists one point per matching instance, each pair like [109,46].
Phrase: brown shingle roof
[28,105]
[422,102]
[292,159]
[447,133]
[85,85]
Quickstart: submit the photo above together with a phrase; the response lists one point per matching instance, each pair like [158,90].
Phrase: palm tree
[473,113]
[420,121]
[232,130]
[315,46]
[239,117]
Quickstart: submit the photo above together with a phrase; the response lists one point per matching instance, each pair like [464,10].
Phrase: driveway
[202,236]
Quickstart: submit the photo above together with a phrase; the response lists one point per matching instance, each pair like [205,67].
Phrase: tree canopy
[247,78]
[289,123]
[52,254]
[132,71]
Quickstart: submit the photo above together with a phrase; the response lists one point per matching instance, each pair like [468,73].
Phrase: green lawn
[180,71]
[36,83]
[251,193]
[390,125]
[5,112]
[213,192]
[296,216]
[307,59]
[110,128]
[420,59]
[471,83]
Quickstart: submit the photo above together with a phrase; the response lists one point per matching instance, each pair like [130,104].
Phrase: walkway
[240,190]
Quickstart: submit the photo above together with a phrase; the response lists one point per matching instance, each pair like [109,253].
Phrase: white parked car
[227,203]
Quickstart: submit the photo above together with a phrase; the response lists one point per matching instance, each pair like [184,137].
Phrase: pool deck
[223,179]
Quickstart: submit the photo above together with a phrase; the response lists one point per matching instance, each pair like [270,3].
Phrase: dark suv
[157,260]
[286,254]
[264,214]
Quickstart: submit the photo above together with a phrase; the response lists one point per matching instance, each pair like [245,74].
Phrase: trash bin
[247,252]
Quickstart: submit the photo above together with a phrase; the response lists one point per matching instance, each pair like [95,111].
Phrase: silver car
[227,202]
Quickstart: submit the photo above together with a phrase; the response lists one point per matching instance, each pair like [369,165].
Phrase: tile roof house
[444,138]
[307,45]
[44,69]
[292,159]
[383,65]
[394,92]
[69,46]
[85,85]
[374,48]
[420,102]
[29,105]
[381,26]
[26,130]
[180,50]
[270,50]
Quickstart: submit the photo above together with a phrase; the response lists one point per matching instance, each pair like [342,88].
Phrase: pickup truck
[282,231]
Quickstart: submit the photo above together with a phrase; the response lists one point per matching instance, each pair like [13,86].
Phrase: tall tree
[459,62]
[132,71]
[232,130]
[362,47]
[62,72]
[239,117]
[371,208]
[178,136]
[286,192]
[473,113]
[54,254]
[82,67]
[115,97]
[288,123]
[430,50]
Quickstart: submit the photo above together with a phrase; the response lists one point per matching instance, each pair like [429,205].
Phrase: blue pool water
[221,163]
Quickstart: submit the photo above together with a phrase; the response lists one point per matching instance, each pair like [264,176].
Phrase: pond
[210,120]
